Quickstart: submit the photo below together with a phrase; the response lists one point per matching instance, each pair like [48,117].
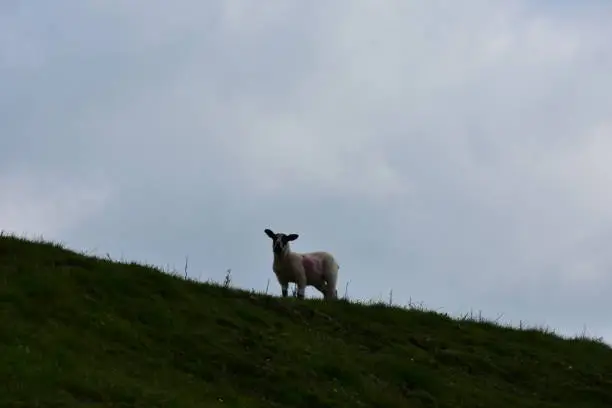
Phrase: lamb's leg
[301,292]
[331,278]
[301,285]
[321,287]
[284,288]
[330,292]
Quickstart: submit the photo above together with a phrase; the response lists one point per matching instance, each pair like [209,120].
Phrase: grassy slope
[78,331]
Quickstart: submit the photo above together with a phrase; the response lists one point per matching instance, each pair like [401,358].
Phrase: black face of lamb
[278,245]
[280,240]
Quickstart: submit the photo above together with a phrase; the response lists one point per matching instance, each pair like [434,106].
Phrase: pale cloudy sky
[457,152]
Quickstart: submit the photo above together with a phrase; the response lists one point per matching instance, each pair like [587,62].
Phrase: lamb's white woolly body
[318,269]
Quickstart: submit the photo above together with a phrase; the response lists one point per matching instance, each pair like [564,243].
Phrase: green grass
[83,331]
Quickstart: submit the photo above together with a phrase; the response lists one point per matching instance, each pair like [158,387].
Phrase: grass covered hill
[85,332]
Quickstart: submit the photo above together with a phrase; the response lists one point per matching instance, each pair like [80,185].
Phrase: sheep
[318,269]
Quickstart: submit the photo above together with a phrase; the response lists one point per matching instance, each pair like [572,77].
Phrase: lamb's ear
[269,233]
[292,237]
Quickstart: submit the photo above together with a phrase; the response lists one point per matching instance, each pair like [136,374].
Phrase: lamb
[318,269]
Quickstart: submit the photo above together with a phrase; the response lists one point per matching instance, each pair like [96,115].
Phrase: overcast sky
[458,153]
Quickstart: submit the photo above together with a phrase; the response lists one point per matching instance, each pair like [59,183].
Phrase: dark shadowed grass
[83,331]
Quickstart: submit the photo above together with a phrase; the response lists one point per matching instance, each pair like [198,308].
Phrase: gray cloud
[454,153]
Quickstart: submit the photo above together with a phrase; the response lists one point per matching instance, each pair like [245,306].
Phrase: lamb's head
[280,241]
